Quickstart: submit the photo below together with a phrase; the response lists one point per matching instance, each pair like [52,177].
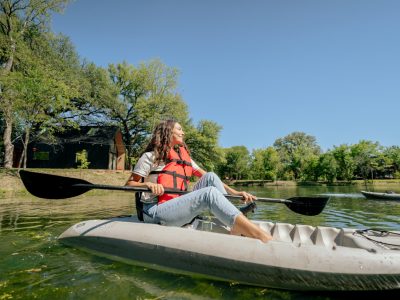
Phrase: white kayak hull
[381,196]
[300,257]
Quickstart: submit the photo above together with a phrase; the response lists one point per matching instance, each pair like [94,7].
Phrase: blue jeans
[207,194]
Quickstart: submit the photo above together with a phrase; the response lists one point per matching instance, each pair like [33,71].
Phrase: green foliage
[298,157]
[327,167]
[236,163]
[392,155]
[203,144]
[82,159]
[22,25]
[296,151]
[1,140]
[265,164]
[44,85]
[345,163]
[366,156]
[310,172]
[144,95]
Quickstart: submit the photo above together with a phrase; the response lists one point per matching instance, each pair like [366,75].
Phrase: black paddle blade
[309,206]
[52,186]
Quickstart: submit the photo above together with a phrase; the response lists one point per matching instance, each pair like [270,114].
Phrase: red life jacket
[176,173]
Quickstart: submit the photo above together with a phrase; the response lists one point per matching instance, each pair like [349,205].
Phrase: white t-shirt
[144,166]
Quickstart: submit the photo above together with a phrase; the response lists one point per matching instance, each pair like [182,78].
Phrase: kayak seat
[350,238]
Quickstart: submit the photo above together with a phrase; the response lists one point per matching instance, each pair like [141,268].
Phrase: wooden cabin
[104,147]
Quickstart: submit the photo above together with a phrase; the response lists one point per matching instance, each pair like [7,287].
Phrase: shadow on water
[34,265]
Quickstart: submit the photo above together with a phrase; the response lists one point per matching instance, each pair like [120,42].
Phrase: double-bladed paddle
[49,186]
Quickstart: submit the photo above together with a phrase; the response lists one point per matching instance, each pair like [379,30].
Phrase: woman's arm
[199,172]
[136,181]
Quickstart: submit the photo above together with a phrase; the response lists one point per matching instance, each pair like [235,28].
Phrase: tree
[296,151]
[265,164]
[236,163]
[310,171]
[40,104]
[327,167]
[18,18]
[1,141]
[345,163]
[393,155]
[367,156]
[51,77]
[145,95]
[203,144]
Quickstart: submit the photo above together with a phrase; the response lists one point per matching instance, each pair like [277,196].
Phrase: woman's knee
[207,192]
[212,178]
[212,195]
[211,175]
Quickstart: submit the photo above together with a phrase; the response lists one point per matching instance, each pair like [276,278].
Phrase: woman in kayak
[166,163]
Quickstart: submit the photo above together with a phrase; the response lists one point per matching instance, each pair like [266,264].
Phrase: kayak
[299,257]
[381,196]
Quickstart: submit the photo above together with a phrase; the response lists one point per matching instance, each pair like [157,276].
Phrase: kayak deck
[300,257]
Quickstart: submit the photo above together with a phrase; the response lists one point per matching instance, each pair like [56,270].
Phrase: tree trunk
[8,146]
[8,116]
[10,60]
[21,159]
[26,142]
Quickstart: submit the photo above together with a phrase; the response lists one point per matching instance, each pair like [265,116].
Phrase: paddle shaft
[49,186]
[167,191]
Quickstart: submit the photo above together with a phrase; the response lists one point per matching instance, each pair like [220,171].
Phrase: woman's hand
[247,197]
[136,180]
[155,188]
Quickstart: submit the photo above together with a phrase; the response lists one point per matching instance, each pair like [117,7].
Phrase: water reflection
[34,265]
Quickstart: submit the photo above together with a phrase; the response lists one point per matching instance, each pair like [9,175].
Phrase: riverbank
[267,183]
[10,182]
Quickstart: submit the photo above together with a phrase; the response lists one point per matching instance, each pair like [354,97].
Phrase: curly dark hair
[161,140]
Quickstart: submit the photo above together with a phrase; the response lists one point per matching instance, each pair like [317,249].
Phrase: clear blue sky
[261,69]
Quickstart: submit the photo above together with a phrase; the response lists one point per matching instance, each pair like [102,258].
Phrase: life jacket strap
[180,162]
[173,173]
[175,176]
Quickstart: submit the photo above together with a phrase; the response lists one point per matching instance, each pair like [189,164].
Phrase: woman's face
[177,134]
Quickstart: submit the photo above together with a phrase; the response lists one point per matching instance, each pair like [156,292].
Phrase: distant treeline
[298,157]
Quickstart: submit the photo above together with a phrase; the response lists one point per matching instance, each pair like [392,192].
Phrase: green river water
[34,265]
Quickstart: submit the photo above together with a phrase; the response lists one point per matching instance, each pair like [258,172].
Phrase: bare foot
[245,227]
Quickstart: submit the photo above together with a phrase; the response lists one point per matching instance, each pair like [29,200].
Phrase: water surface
[34,265]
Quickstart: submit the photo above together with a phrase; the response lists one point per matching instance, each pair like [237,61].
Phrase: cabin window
[41,155]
